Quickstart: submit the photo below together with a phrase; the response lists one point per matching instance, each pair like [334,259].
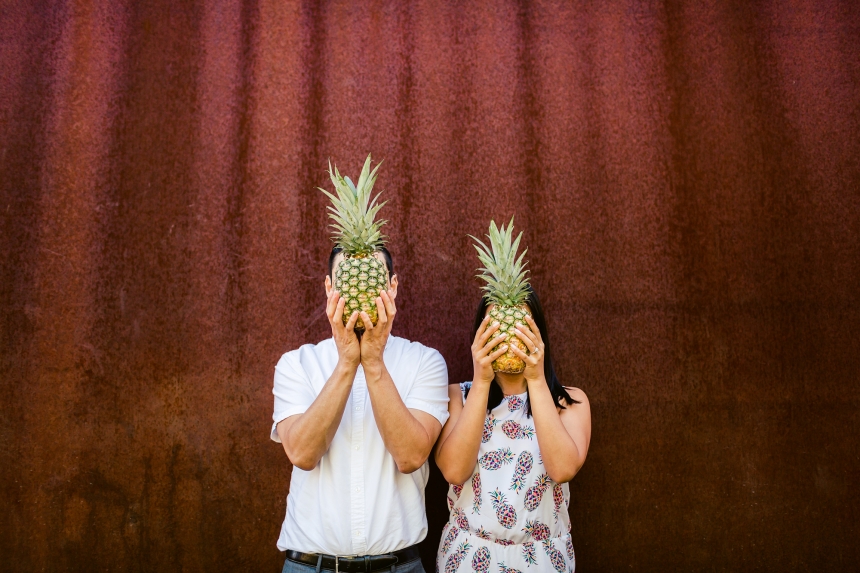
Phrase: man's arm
[306,437]
[408,434]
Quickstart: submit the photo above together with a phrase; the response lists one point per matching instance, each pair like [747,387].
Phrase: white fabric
[525,525]
[356,502]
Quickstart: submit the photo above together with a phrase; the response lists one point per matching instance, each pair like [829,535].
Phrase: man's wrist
[346,367]
[373,367]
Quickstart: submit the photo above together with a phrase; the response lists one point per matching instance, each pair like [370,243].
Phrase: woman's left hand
[532,339]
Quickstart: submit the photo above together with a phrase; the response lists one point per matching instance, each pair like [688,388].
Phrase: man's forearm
[309,436]
[405,438]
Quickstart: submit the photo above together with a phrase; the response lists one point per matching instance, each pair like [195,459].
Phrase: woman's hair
[558,392]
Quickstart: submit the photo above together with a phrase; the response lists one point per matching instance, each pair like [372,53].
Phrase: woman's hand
[482,357]
[532,339]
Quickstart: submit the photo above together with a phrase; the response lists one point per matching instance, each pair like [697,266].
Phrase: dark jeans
[410,567]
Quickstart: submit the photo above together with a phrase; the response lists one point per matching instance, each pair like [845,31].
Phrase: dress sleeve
[293,391]
[430,391]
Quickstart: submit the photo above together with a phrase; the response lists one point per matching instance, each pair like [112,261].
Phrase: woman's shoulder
[576,394]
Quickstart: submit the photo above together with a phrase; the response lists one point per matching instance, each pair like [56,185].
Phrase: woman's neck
[511,383]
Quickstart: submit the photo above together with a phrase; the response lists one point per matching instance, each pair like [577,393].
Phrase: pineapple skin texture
[359,280]
[507,317]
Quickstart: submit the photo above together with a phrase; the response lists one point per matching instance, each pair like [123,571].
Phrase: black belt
[364,564]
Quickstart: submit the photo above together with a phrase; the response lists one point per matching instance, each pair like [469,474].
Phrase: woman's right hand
[482,355]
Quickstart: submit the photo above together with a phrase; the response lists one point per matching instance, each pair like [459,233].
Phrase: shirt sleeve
[430,391]
[293,391]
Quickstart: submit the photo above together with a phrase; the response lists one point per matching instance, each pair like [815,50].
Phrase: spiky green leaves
[352,212]
[503,271]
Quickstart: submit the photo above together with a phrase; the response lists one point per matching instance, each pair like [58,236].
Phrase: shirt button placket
[359,533]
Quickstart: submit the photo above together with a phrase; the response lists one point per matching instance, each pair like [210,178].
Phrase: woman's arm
[563,436]
[457,448]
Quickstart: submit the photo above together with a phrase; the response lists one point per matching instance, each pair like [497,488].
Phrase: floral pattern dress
[509,517]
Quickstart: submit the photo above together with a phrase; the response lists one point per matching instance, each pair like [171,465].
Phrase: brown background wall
[686,174]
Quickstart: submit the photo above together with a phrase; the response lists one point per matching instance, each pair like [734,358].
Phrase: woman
[510,446]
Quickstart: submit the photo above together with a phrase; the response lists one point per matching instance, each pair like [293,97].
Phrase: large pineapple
[360,277]
[506,290]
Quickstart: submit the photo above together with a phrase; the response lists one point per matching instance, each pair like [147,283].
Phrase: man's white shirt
[355,501]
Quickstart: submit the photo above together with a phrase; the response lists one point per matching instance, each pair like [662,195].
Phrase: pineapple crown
[503,271]
[353,212]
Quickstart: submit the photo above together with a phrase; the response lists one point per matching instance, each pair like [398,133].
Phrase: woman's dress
[509,516]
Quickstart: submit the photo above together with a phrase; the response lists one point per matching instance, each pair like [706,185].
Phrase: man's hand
[348,348]
[375,337]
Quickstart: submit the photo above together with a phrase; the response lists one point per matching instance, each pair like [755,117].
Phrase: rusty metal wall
[686,173]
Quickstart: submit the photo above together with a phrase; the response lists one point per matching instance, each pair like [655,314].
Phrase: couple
[359,413]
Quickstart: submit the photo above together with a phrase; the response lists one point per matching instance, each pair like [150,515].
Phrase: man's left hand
[375,337]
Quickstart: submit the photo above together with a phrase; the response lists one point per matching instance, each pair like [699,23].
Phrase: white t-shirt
[355,501]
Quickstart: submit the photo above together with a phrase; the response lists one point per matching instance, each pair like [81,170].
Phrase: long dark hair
[559,394]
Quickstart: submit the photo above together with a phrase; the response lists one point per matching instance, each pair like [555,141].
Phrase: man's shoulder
[415,352]
[318,351]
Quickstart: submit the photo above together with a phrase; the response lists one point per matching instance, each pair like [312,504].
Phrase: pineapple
[460,518]
[516,431]
[476,491]
[360,277]
[505,569]
[558,499]
[555,556]
[538,531]
[535,493]
[481,560]
[489,424]
[458,489]
[449,538]
[569,547]
[505,512]
[482,533]
[495,459]
[506,290]
[450,502]
[525,461]
[515,403]
[457,557]
[529,553]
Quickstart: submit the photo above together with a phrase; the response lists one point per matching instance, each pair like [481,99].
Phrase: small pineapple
[495,459]
[517,431]
[515,403]
[460,518]
[558,499]
[360,277]
[505,512]
[489,424]
[457,557]
[482,533]
[450,502]
[476,491]
[529,553]
[504,542]
[505,569]
[481,560]
[458,489]
[506,290]
[535,493]
[569,546]
[525,461]
[555,556]
[538,531]
[449,538]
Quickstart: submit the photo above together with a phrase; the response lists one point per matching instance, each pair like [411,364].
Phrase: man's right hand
[348,348]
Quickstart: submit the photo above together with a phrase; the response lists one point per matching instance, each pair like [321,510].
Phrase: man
[358,417]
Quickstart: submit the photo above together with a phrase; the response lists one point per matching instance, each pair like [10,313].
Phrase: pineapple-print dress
[509,516]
